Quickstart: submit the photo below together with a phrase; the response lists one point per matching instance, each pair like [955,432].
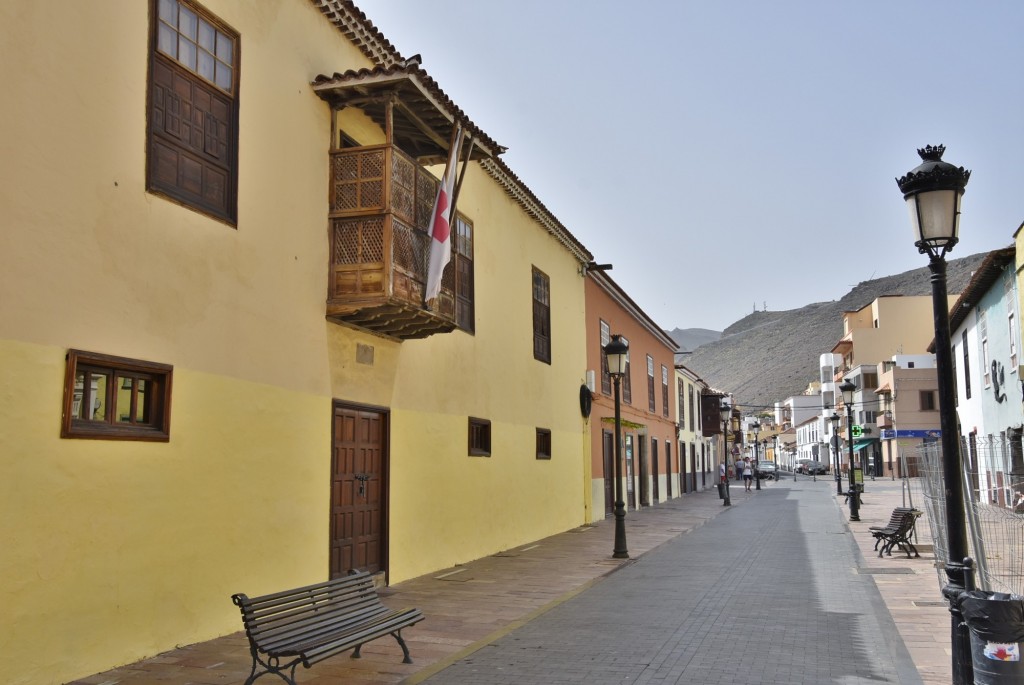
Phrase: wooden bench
[897,532]
[312,623]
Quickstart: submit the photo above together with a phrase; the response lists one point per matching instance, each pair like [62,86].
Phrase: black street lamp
[853,492]
[726,410]
[617,352]
[814,469]
[756,427]
[835,419]
[775,454]
[933,191]
[793,466]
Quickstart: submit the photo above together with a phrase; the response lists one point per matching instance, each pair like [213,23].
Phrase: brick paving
[536,614]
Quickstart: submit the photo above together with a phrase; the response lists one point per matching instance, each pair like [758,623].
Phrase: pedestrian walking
[748,473]
[739,469]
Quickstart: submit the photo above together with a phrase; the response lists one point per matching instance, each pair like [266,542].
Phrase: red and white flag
[440,226]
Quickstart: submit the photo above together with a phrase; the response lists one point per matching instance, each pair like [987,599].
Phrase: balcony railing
[380,207]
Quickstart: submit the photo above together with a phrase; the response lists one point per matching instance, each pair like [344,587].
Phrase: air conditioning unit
[591,380]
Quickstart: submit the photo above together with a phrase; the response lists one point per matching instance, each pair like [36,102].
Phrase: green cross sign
[856,431]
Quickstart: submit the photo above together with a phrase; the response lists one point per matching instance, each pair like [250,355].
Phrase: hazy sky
[721,154]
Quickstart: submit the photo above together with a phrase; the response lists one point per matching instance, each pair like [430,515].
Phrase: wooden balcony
[380,206]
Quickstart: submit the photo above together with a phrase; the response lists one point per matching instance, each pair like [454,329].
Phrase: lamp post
[726,416]
[933,191]
[793,466]
[617,351]
[757,477]
[835,419]
[764,450]
[775,455]
[852,493]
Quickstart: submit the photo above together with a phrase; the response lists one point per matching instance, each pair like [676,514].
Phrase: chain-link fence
[993,503]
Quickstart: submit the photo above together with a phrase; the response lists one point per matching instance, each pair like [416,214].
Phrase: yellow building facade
[214,466]
[889,323]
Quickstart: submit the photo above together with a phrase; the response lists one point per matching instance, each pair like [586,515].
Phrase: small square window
[479,437]
[114,398]
[543,443]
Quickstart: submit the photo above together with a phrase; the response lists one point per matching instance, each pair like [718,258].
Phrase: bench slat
[321,592]
[399,620]
[297,612]
[284,637]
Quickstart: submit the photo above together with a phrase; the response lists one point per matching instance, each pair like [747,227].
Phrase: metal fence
[993,502]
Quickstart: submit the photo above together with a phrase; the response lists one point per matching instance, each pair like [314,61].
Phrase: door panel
[630,483]
[608,451]
[654,471]
[357,491]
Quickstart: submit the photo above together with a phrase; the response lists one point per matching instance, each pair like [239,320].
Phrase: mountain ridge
[768,356]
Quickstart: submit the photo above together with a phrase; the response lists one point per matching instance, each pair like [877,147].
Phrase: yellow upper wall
[491,374]
[904,326]
[97,532]
[79,222]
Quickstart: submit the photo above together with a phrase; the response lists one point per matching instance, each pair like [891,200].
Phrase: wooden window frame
[479,437]
[543,443]
[986,360]
[1011,328]
[605,336]
[693,402]
[627,385]
[122,375]
[651,394]
[928,400]
[541,288]
[664,391]
[967,366]
[184,136]
[682,403]
[461,269]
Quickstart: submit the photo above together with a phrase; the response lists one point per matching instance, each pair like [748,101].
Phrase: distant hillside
[690,339]
[768,356]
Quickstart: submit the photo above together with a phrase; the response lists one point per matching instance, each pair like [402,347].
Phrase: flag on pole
[440,226]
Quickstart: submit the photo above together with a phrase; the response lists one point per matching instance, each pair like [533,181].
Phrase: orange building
[648,401]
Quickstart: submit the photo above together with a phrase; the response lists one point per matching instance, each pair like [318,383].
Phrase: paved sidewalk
[477,604]
[773,592]
[910,587]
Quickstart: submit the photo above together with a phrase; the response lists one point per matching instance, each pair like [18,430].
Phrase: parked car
[810,466]
[766,469]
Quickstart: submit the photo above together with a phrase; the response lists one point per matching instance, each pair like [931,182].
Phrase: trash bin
[996,622]
[721,490]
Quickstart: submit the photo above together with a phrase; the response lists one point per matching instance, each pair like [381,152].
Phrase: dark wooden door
[358,490]
[668,468]
[654,471]
[642,457]
[630,483]
[693,468]
[608,450]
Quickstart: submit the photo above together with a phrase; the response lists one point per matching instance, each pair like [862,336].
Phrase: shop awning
[861,444]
